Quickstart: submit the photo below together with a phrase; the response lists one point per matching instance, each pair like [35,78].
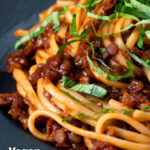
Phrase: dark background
[16,14]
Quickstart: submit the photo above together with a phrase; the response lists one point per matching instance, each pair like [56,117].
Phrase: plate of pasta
[82,75]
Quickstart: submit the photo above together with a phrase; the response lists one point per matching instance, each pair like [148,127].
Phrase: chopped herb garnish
[90,4]
[109,76]
[148,61]
[141,6]
[75,34]
[53,18]
[74,116]
[133,11]
[127,28]
[147,33]
[90,89]
[102,50]
[140,41]
[127,7]
[146,108]
[107,18]
[98,59]
[74,30]
[137,59]
[127,111]
[112,16]
[104,111]
[64,11]
[65,45]
[67,82]
[119,5]
[79,101]
[111,34]
[117,15]
[128,4]
[93,52]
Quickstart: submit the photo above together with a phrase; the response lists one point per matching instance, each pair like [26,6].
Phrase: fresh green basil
[74,30]
[125,6]
[147,21]
[53,18]
[74,116]
[79,101]
[140,41]
[148,61]
[146,108]
[140,6]
[111,34]
[147,33]
[109,76]
[90,89]
[107,18]
[133,11]
[90,4]
[65,45]
[104,111]
[102,50]
[67,82]
[127,111]
[112,16]
[137,59]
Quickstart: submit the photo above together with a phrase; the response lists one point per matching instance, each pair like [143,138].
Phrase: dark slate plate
[16,14]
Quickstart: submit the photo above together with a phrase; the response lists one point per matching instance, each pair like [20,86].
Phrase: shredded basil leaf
[109,76]
[79,101]
[134,12]
[140,41]
[90,4]
[144,21]
[127,7]
[127,111]
[146,108]
[148,61]
[104,111]
[65,45]
[98,59]
[137,59]
[111,34]
[28,37]
[102,50]
[140,6]
[67,82]
[53,18]
[113,16]
[74,30]
[64,11]
[107,18]
[128,4]
[77,115]
[119,5]
[147,21]
[147,33]
[90,89]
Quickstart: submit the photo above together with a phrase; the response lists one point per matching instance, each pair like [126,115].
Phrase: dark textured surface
[16,14]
